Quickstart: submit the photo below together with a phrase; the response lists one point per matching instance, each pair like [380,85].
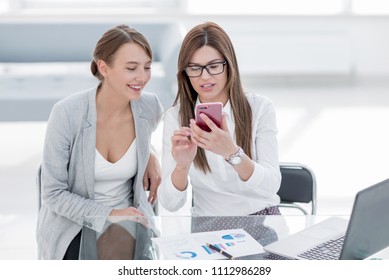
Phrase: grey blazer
[68,168]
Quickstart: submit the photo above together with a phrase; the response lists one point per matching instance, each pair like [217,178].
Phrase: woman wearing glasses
[233,170]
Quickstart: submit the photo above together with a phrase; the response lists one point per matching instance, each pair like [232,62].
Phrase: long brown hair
[211,34]
[111,41]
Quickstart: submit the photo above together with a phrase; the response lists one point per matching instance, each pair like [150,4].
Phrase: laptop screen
[368,229]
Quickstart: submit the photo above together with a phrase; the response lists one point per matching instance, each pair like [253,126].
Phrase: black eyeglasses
[215,68]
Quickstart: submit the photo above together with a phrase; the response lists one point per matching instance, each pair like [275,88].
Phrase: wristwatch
[236,158]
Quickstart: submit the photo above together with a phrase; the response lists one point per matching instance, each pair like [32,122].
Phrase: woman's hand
[152,177]
[129,213]
[218,140]
[183,149]
[183,152]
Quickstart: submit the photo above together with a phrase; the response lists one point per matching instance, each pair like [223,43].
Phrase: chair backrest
[39,186]
[298,186]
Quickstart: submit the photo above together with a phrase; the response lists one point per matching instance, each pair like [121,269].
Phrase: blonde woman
[97,158]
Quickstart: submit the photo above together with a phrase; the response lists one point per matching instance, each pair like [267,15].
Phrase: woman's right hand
[183,149]
[129,212]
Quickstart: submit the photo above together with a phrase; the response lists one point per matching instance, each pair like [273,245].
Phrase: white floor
[339,130]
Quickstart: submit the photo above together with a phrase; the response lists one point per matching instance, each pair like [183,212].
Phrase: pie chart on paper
[186,255]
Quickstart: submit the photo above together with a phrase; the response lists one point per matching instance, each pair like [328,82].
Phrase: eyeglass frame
[223,63]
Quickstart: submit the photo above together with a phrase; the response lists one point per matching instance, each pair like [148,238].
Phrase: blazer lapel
[141,130]
[89,144]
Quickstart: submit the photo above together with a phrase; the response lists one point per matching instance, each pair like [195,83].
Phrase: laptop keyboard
[271,256]
[329,250]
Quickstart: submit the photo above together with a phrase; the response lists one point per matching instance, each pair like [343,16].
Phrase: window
[195,7]
[370,7]
[89,6]
[266,7]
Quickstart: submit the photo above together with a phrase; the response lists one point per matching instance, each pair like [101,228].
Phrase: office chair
[38,180]
[38,185]
[298,186]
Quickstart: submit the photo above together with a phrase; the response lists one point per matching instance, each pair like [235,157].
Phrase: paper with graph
[236,242]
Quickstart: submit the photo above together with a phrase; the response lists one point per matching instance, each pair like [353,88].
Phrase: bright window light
[371,7]
[266,7]
[199,7]
[97,3]
[4,6]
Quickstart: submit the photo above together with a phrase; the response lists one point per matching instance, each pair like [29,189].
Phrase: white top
[222,192]
[111,179]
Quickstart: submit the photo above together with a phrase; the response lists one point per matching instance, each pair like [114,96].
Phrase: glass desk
[131,238]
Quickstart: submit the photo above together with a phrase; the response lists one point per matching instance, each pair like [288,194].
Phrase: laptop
[336,238]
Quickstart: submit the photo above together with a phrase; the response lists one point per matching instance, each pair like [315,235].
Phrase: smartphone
[213,110]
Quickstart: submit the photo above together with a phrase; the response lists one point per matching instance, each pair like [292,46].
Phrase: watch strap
[238,154]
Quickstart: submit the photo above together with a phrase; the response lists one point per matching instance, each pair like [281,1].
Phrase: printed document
[193,246]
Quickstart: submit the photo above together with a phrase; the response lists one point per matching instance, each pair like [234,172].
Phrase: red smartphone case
[213,110]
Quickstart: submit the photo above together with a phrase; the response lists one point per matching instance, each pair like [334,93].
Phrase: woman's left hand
[152,177]
[218,140]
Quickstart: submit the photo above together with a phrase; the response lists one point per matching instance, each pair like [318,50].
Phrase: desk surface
[264,229]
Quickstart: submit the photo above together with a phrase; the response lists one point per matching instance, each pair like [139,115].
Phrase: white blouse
[222,192]
[112,186]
